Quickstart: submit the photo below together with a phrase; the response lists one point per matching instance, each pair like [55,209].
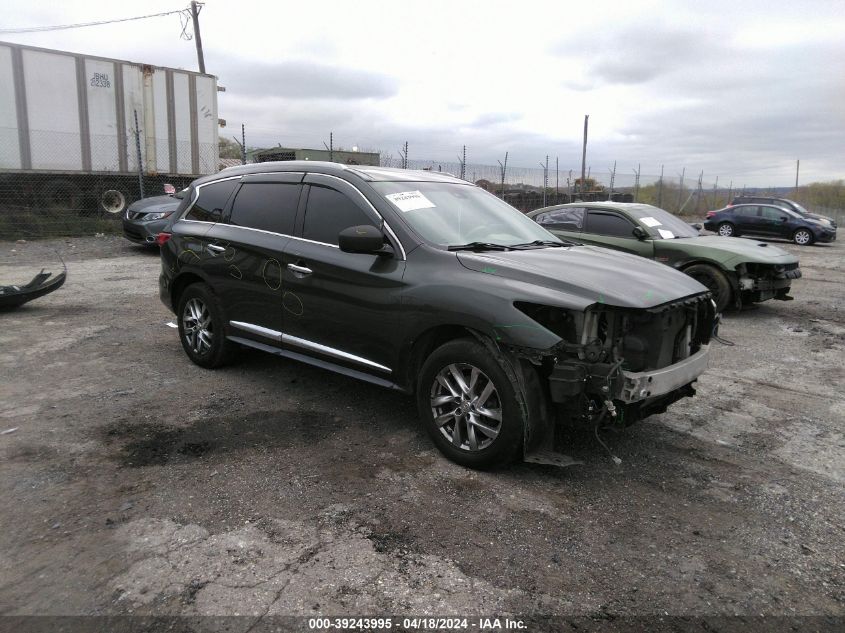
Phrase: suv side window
[568,219]
[604,223]
[328,213]
[747,211]
[212,201]
[266,206]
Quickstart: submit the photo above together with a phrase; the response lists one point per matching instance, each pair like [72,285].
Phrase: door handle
[302,270]
[216,249]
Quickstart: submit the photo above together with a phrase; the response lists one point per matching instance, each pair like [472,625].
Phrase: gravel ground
[138,483]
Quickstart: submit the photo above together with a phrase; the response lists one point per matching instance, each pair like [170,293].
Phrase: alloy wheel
[196,321]
[726,230]
[802,237]
[466,407]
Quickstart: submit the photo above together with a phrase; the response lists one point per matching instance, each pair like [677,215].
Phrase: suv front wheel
[469,405]
[201,327]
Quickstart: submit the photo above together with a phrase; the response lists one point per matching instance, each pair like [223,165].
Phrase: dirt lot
[137,483]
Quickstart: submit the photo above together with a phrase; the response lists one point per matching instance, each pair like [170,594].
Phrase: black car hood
[155,204]
[596,274]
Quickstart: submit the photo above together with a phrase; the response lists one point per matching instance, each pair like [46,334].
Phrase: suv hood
[154,204]
[596,274]
[727,250]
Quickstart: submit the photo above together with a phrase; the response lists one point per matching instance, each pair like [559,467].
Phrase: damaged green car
[736,271]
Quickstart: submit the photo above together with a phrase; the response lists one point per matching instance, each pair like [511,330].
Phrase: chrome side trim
[257,329]
[330,351]
[305,344]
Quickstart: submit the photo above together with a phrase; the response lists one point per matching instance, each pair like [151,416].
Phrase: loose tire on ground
[715,281]
[201,327]
[463,386]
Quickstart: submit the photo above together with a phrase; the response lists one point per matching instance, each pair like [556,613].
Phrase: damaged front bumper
[766,282]
[642,385]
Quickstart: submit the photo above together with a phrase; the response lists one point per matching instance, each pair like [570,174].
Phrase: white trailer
[68,126]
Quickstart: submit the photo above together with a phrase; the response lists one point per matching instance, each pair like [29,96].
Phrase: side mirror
[361,239]
[783,218]
[640,233]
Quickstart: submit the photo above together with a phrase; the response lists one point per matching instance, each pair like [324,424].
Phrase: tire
[482,441]
[726,229]
[803,237]
[206,346]
[715,281]
[112,201]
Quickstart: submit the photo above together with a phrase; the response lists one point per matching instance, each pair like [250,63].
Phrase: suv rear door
[340,307]
[246,251]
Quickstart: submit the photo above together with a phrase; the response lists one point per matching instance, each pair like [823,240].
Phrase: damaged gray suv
[427,284]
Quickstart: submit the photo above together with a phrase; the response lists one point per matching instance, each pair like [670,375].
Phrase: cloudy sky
[739,90]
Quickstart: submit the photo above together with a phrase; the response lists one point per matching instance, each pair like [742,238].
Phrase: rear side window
[609,224]
[746,212]
[266,206]
[212,200]
[328,213]
[569,219]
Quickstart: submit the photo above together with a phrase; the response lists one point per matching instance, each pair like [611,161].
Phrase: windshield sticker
[666,235]
[649,221]
[410,201]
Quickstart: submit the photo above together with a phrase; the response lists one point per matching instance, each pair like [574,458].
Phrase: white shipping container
[70,113]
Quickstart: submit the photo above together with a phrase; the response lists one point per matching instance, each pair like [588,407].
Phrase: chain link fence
[60,200]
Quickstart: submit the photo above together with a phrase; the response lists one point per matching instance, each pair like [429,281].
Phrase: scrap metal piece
[550,458]
[43,283]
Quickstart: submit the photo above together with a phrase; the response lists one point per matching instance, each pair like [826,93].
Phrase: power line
[61,27]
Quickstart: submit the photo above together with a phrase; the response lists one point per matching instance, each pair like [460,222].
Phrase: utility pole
[637,183]
[612,180]
[463,162]
[584,151]
[243,144]
[569,186]
[404,156]
[545,178]
[797,166]
[195,16]
[557,179]
[660,189]
[698,191]
[681,189]
[330,146]
[503,168]
[715,186]
[730,191]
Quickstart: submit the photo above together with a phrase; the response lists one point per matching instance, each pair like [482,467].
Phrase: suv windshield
[452,214]
[660,224]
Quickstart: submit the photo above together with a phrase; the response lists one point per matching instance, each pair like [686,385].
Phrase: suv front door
[608,228]
[341,307]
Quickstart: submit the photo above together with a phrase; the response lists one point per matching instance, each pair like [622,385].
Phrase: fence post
[243,144]
[660,189]
[503,168]
[138,153]
[681,189]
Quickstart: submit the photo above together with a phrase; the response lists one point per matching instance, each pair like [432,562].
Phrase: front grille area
[763,272]
[649,339]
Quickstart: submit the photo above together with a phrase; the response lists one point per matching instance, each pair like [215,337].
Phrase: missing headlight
[557,320]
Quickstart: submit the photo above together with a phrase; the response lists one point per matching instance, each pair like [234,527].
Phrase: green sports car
[736,271]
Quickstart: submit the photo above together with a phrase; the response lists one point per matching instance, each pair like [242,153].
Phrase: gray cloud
[299,79]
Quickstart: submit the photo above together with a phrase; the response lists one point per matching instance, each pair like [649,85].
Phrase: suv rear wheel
[201,328]
[726,229]
[469,405]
